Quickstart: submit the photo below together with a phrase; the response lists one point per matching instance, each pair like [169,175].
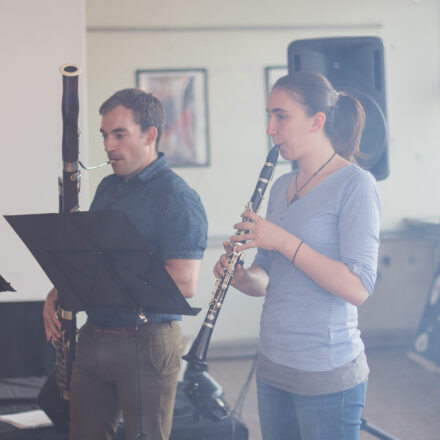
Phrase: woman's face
[288,124]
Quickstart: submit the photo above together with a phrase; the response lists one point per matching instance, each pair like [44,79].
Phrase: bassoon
[199,348]
[69,186]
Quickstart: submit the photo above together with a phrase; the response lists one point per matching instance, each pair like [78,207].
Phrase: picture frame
[183,94]
[271,75]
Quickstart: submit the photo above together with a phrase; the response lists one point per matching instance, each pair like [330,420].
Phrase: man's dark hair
[147,110]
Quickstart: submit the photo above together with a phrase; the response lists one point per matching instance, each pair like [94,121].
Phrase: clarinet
[199,348]
[69,186]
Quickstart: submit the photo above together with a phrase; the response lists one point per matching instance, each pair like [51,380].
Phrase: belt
[123,332]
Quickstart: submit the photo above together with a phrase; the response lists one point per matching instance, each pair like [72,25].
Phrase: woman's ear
[318,121]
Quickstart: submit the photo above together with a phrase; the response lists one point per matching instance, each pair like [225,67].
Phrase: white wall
[235,58]
[235,41]
[36,38]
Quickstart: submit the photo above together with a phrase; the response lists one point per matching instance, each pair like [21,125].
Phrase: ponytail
[344,125]
[345,115]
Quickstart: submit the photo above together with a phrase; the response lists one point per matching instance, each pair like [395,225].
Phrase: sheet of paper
[27,419]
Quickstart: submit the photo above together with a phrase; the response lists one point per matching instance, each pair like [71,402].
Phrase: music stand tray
[98,259]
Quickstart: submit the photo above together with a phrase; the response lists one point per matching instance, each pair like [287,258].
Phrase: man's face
[127,146]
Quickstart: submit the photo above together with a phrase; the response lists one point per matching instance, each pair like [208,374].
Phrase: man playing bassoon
[170,216]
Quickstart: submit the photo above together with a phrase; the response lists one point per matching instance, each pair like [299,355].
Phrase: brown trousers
[105,384]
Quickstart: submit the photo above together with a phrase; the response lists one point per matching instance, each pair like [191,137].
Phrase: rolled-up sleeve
[359,228]
[183,227]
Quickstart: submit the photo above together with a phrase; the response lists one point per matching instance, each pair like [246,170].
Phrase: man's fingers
[53,333]
[56,321]
[52,325]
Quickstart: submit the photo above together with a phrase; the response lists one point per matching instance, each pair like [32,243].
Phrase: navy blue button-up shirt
[168,214]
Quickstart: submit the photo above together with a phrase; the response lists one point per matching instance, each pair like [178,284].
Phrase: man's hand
[52,324]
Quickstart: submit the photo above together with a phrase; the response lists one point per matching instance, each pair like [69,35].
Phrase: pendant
[295,198]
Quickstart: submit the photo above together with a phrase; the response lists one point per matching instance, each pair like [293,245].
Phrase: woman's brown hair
[345,117]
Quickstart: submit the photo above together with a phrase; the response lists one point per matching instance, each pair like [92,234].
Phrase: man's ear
[150,135]
[318,121]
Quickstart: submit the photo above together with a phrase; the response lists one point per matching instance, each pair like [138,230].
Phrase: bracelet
[296,251]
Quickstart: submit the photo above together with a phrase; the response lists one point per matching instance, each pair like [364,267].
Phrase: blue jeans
[289,416]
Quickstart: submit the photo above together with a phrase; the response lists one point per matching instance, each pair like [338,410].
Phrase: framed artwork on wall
[183,93]
[272,74]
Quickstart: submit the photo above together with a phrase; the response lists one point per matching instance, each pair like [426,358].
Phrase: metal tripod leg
[142,434]
[365,426]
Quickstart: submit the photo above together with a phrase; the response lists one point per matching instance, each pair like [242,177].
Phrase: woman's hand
[222,264]
[252,281]
[261,233]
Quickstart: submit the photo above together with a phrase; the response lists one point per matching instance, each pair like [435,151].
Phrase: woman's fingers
[222,263]
[228,247]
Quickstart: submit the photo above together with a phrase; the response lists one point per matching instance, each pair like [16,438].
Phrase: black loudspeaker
[23,345]
[354,65]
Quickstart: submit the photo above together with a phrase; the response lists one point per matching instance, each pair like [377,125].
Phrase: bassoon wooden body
[69,186]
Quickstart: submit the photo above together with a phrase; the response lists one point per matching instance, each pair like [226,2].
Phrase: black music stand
[99,260]
[5,286]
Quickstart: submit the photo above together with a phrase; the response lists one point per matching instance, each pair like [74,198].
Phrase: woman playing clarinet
[316,262]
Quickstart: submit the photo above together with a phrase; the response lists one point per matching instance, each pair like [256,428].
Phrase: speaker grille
[377,71]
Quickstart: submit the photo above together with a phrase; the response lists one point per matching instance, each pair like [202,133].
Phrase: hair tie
[296,251]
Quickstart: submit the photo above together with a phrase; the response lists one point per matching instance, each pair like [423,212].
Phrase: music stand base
[142,434]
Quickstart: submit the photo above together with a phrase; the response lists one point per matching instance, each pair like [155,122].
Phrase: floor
[403,397]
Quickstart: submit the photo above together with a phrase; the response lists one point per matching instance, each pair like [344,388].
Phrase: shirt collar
[151,170]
